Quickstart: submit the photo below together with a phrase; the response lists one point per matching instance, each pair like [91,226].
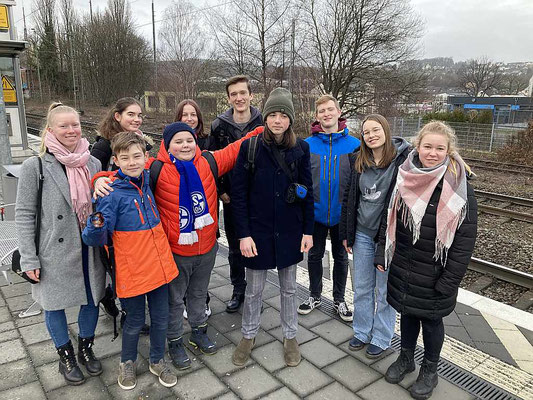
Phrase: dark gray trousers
[192,283]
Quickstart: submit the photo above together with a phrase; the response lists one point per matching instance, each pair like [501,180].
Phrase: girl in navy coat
[273,231]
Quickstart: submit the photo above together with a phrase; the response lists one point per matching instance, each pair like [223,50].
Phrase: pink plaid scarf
[77,174]
[411,195]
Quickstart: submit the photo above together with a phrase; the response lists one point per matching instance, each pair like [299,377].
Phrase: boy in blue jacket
[142,257]
[330,145]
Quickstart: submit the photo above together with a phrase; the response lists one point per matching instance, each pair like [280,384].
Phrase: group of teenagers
[406,212]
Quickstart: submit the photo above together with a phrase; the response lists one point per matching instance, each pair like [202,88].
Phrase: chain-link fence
[481,137]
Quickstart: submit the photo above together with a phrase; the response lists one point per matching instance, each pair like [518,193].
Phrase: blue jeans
[56,321]
[374,318]
[134,307]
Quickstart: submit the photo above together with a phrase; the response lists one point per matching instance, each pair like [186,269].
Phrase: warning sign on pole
[10,94]
[4,17]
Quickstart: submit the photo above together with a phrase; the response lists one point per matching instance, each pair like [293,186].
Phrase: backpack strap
[155,171]
[212,163]
[252,151]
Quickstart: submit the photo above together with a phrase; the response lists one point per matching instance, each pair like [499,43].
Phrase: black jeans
[432,333]
[236,260]
[340,261]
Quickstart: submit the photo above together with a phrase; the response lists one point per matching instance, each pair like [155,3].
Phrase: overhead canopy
[12,47]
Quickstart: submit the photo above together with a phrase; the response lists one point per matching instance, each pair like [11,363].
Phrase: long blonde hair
[53,110]
[447,131]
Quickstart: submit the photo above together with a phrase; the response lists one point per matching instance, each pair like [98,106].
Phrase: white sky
[462,29]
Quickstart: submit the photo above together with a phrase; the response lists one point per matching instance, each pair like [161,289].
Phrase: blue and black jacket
[330,167]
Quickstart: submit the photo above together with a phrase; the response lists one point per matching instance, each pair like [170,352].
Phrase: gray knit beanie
[280,99]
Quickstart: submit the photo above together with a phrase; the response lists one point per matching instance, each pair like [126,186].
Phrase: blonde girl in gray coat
[69,274]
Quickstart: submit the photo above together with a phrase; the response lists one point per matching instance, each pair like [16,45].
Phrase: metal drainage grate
[460,377]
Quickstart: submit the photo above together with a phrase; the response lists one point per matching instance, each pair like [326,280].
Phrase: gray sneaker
[127,376]
[166,377]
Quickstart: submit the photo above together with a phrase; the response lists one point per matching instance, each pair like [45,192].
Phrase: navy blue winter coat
[260,210]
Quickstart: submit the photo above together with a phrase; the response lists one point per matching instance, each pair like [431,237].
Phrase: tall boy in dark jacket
[330,146]
[230,126]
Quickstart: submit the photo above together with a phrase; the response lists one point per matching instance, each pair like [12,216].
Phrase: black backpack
[157,165]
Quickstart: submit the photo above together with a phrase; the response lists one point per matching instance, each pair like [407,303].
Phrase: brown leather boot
[292,352]
[243,351]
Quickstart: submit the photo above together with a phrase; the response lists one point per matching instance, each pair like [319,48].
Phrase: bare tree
[251,34]
[185,49]
[354,41]
[479,77]
[514,83]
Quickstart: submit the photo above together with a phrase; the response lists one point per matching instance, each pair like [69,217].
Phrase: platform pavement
[329,370]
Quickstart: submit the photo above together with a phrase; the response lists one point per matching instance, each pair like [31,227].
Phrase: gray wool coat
[60,255]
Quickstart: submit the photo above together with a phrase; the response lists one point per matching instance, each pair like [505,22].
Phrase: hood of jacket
[317,128]
[227,116]
[401,145]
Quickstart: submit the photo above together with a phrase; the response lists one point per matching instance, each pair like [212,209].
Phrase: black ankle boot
[427,381]
[68,366]
[404,364]
[86,356]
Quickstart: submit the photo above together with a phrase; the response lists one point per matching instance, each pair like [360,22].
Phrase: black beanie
[175,127]
[280,100]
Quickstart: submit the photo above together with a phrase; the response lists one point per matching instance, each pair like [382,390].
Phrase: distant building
[505,109]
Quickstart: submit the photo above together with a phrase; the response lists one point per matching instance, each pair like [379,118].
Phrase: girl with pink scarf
[68,272]
[426,245]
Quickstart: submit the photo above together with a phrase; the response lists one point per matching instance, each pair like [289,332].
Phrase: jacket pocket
[344,174]
[316,170]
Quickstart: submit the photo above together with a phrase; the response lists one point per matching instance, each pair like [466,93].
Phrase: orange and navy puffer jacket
[168,189]
[143,258]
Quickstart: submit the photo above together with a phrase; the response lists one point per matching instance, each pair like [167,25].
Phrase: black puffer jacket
[418,285]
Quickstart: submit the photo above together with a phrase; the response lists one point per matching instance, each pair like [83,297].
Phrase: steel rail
[502,272]
[501,167]
[504,212]
[504,198]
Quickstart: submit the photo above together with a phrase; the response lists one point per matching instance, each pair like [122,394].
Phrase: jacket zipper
[334,165]
[329,175]
[139,210]
[152,205]
[324,168]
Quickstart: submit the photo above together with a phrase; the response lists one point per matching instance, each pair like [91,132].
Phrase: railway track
[503,211]
[500,166]
[84,124]
[493,273]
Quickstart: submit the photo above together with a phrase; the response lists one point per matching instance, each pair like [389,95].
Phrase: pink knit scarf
[412,192]
[77,174]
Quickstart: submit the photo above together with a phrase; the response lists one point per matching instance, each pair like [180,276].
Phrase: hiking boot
[68,366]
[291,352]
[178,355]
[86,356]
[373,351]
[243,351]
[200,340]
[344,312]
[404,364]
[427,381]
[127,375]
[163,371]
[356,344]
[235,302]
[309,305]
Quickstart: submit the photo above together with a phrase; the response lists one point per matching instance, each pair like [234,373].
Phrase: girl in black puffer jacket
[427,244]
